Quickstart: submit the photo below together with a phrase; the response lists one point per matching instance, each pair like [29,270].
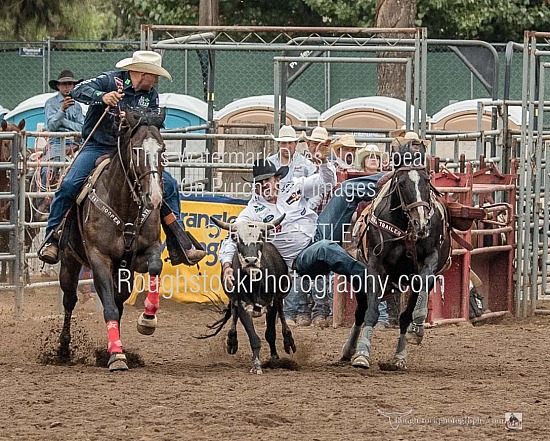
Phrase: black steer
[261,282]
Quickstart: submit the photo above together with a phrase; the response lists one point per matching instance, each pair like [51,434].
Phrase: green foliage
[34,20]
[488,20]
[268,13]
[349,13]
[133,13]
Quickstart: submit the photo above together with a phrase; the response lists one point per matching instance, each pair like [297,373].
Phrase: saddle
[101,163]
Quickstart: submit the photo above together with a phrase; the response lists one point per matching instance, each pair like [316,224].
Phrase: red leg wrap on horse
[152,300]
[115,345]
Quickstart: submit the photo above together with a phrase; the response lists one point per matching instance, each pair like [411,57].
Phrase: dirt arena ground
[459,385]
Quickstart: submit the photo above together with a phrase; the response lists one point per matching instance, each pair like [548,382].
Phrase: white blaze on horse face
[415,178]
[152,149]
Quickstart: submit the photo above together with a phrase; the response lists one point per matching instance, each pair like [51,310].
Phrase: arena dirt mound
[134,360]
[50,352]
[281,363]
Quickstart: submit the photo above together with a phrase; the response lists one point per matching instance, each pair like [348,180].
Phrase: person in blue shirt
[132,85]
[63,114]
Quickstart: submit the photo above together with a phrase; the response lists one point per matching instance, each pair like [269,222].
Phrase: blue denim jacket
[91,92]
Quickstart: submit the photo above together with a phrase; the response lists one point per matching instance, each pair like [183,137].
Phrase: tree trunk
[209,13]
[394,14]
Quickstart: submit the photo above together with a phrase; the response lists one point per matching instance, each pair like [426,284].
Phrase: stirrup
[46,251]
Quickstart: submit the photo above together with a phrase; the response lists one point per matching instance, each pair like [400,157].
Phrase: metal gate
[534,185]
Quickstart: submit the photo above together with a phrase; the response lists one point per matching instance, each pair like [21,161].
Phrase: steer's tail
[218,325]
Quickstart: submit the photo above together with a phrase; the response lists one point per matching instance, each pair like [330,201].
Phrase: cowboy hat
[347,140]
[287,134]
[403,137]
[66,76]
[364,152]
[264,169]
[319,134]
[402,133]
[145,62]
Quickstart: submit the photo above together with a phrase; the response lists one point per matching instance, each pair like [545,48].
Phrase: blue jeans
[341,206]
[296,302]
[383,312]
[80,169]
[322,292]
[308,296]
[325,256]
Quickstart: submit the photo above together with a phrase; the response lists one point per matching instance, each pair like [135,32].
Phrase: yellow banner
[191,284]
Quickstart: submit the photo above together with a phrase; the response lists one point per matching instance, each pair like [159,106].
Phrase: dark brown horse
[116,231]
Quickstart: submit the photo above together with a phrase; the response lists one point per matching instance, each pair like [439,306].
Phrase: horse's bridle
[409,236]
[135,186]
[407,208]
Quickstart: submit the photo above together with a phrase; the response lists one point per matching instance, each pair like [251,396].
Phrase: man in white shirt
[298,165]
[294,237]
[297,306]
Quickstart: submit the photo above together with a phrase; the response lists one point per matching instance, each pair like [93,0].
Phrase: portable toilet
[32,110]
[462,117]
[374,112]
[184,111]
[260,109]
[3,111]
[254,115]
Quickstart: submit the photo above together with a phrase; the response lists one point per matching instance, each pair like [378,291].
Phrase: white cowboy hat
[146,62]
[319,134]
[367,151]
[287,134]
[412,135]
[347,140]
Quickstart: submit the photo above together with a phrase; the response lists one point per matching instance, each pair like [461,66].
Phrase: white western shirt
[299,225]
[299,166]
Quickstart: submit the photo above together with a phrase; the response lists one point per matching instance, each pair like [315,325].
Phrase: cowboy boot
[181,248]
[49,251]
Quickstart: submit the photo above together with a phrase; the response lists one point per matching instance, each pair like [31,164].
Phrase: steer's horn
[276,222]
[221,224]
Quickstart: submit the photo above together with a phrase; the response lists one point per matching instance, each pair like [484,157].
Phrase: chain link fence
[27,68]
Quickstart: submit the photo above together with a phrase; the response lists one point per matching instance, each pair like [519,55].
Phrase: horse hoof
[360,361]
[117,362]
[146,326]
[414,339]
[400,364]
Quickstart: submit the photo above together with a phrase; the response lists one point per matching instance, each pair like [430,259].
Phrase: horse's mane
[145,117]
